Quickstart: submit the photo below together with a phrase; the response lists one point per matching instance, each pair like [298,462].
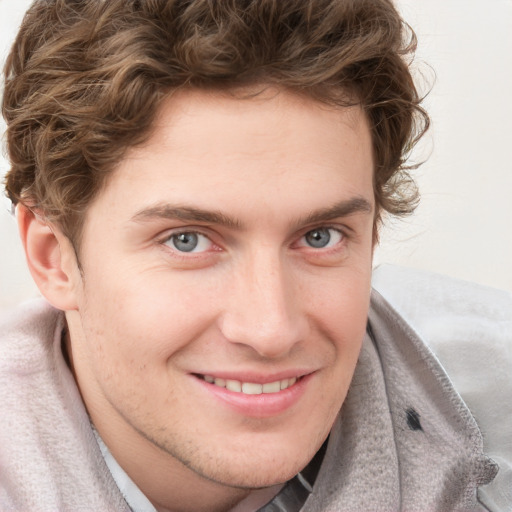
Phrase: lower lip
[264,405]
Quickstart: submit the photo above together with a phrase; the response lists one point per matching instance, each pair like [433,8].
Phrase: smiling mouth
[250,388]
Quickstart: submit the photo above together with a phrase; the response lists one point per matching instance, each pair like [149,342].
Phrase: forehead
[212,122]
[219,149]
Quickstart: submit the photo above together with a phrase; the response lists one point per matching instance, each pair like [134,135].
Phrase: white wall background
[464,224]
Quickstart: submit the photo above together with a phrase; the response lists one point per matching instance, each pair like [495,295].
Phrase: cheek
[340,309]
[342,312]
[147,315]
[341,300]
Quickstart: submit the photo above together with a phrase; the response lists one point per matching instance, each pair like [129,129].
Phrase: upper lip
[256,377]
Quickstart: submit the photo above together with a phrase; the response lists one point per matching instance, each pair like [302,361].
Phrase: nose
[264,311]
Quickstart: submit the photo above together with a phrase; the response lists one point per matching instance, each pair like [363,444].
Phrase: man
[199,187]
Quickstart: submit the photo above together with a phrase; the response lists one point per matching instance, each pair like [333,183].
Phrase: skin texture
[254,300]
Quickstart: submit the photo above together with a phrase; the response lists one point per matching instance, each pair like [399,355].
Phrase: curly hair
[85,78]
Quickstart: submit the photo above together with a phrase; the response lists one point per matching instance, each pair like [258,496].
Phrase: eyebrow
[185,213]
[342,208]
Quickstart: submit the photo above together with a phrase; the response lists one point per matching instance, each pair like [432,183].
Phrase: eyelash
[341,232]
[167,240]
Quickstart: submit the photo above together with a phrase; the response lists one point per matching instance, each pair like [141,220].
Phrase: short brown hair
[85,78]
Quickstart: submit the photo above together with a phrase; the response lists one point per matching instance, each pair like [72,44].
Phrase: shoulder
[27,317]
[27,333]
[465,324]
[415,293]
[45,432]
[469,329]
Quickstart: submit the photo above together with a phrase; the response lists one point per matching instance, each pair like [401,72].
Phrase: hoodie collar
[404,439]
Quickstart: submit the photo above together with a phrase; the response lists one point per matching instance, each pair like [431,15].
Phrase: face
[225,286]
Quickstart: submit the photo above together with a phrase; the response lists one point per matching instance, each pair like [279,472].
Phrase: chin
[257,477]
[256,467]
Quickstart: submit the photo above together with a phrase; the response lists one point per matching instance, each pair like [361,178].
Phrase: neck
[252,502]
[172,487]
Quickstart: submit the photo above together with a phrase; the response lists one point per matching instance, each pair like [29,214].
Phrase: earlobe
[50,257]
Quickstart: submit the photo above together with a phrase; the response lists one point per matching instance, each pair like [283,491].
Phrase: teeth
[234,385]
[251,388]
[272,387]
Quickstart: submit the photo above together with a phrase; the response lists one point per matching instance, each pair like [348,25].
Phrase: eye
[189,241]
[322,238]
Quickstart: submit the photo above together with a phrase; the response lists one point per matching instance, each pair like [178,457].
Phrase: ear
[51,259]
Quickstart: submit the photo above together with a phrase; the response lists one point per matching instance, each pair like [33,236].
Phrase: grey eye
[188,242]
[185,242]
[320,238]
